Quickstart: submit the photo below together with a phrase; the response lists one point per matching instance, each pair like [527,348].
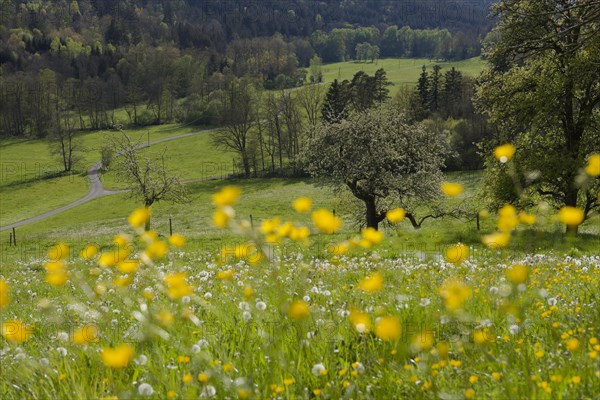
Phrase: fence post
[170,227]
[10,239]
[477,219]
[251,222]
[14,236]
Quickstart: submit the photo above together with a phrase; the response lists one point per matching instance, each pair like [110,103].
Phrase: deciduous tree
[378,156]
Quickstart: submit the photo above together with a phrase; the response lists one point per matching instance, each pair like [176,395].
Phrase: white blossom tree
[380,158]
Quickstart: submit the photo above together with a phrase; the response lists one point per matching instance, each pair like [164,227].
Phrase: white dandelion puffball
[145,389]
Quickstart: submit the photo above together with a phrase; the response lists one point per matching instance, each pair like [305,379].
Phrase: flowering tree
[378,156]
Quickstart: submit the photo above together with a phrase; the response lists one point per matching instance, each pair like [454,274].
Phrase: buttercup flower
[505,152]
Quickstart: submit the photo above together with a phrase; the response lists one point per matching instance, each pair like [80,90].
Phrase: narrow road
[97,189]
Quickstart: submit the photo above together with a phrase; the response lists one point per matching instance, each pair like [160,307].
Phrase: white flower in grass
[318,369]
[145,389]
[208,391]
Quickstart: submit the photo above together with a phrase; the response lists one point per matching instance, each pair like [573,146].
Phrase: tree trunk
[571,200]
[372,221]
[147,206]
[413,221]
[246,163]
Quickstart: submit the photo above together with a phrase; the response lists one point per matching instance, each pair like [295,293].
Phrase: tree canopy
[379,157]
[543,91]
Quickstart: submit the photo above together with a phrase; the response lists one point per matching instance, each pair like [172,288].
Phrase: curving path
[97,189]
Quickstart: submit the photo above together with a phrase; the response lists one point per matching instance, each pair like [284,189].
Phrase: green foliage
[542,92]
[378,156]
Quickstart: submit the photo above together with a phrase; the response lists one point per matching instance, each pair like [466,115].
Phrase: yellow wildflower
[517,274]
[89,251]
[593,166]
[298,310]
[507,218]
[165,318]
[455,293]
[388,328]
[302,204]
[270,225]
[177,240]
[122,240]
[225,275]
[124,280]
[373,283]
[457,254]
[220,218]
[325,221]
[396,215]
[138,217]
[57,273]
[128,266]
[226,196]
[187,378]
[496,240]
[86,334]
[299,233]
[248,292]
[177,287]
[527,219]
[572,344]
[118,357]
[15,331]
[451,189]
[372,235]
[571,216]
[4,298]
[469,393]
[505,152]
[58,252]
[109,259]
[360,321]
[157,250]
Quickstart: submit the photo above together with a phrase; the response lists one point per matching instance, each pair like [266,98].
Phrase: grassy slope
[29,170]
[101,219]
[193,157]
[399,71]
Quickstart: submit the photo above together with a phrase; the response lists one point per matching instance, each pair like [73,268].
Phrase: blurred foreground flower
[85,335]
[373,283]
[326,221]
[119,357]
[455,293]
[15,331]
[517,274]
[593,166]
[396,215]
[451,189]
[360,321]
[571,216]
[457,254]
[505,152]
[388,328]
[496,240]
[298,310]
[227,196]
[177,287]
[4,298]
[139,217]
[302,204]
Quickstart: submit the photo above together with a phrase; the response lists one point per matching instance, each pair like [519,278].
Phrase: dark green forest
[89,57]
